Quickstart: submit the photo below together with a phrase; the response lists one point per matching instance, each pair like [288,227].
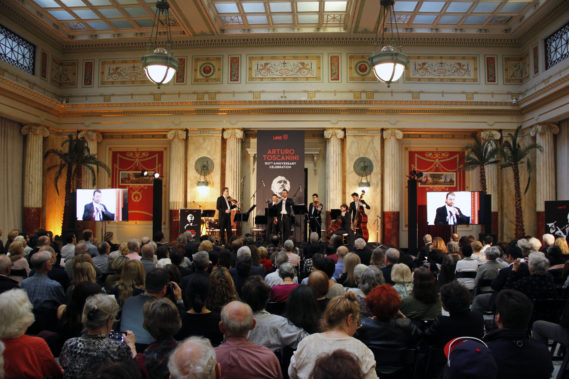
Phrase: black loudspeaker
[412,214]
[156,206]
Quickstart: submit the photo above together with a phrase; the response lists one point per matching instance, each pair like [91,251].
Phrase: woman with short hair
[403,279]
[369,278]
[280,292]
[342,319]
[82,356]
[162,321]
[25,356]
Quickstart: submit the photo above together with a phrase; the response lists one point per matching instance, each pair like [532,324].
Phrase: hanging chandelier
[160,66]
[389,64]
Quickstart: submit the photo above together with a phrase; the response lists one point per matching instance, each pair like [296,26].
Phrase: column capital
[392,133]
[176,134]
[337,133]
[491,135]
[544,128]
[233,133]
[35,130]
[91,136]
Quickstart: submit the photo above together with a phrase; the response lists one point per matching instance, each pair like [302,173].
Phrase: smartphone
[523,260]
[119,336]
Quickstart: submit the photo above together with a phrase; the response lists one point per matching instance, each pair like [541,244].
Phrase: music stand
[241,217]
[208,213]
[261,220]
[299,209]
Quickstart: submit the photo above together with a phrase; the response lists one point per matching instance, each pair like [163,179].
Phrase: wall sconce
[203,166]
[145,173]
[363,166]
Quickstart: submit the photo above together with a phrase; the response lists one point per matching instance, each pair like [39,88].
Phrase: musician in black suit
[345,224]
[224,207]
[96,210]
[272,217]
[314,215]
[356,204]
[448,214]
[286,212]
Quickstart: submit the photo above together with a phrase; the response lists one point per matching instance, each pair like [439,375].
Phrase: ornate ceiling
[76,22]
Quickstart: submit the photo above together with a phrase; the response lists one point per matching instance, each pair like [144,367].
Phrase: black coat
[394,333]
[89,209]
[441,217]
[518,356]
[7,283]
[445,328]
[288,206]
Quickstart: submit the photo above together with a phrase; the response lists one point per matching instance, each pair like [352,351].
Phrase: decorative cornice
[491,135]
[392,133]
[334,133]
[176,134]
[544,128]
[91,136]
[35,130]
[233,133]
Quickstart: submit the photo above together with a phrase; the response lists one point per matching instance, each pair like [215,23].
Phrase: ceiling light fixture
[389,64]
[160,66]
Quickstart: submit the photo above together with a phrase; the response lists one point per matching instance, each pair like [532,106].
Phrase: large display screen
[453,208]
[110,204]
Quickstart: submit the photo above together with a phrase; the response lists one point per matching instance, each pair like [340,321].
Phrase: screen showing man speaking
[453,208]
[109,204]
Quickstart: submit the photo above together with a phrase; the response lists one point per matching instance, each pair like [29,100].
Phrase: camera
[116,336]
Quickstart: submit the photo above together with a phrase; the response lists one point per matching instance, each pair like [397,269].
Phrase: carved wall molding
[334,133]
[94,137]
[491,135]
[392,133]
[177,134]
[233,133]
[544,128]
[35,130]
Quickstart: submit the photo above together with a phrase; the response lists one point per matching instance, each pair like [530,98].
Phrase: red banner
[126,171]
[441,172]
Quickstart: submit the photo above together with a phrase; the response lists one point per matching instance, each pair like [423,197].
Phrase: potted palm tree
[513,155]
[73,160]
[479,154]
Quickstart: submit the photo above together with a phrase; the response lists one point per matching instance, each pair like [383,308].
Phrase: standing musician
[224,206]
[314,218]
[273,222]
[356,204]
[286,214]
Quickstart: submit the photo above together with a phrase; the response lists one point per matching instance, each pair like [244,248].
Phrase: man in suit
[286,214]
[224,208]
[356,204]
[96,210]
[273,211]
[448,214]
[314,218]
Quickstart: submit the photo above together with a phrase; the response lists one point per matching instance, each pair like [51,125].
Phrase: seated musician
[345,223]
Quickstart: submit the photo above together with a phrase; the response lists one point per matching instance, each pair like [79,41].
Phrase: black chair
[549,309]
[465,274]
[394,362]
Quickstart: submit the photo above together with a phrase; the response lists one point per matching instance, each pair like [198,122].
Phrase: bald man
[238,357]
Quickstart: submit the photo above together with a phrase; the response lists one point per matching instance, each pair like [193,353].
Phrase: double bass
[361,221]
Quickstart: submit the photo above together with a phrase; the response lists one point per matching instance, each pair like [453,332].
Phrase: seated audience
[362,250]
[327,266]
[43,292]
[293,258]
[391,257]
[24,356]
[280,292]
[339,269]
[131,282]
[132,318]
[194,358]
[200,263]
[448,267]
[337,364]
[403,279]
[488,271]
[162,321]
[148,259]
[370,278]
[424,303]
[387,328]
[272,279]
[116,264]
[133,247]
[271,331]
[238,357]
[318,281]
[6,283]
[342,320]
[517,355]
[82,356]
[221,289]
[101,261]
[20,267]
[199,320]
[477,252]
[469,358]
[466,268]
[538,284]
[302,309]
[348,279]
[561,243]
[378,257]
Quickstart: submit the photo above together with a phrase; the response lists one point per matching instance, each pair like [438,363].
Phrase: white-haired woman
[25,356]
[82,356]
[403,278]
[539,284]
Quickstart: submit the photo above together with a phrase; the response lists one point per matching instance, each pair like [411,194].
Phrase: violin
[317,205]
[232,201]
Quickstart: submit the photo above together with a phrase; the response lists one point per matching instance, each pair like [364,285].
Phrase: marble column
[545,170]
[176,180]
[93,139]
[33,176]
[233,178]
[391,186]
[334,195]
[492,179]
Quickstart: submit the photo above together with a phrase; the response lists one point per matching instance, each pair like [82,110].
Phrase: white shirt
[451,217]
[283,209]
[226,202]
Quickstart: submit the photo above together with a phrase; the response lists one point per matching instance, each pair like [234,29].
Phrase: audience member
[403,279]
[341,252]
[391,257]
[342,320]
[303,310]
[44,293]
[362,250]
[424,303]
[20,267]
[348,278]
[337,364]
[466,268]
[24,356]
[538,284]
[101,261]
[293,258]
[488,271]
[516,355]
[88,240]
[221,289]
[272,331]
[469,358]
[133,247]
[148,259]
[238,357]
[194,359]
[280,292]
[162,321]
[82,356]
[370,278]
[318,281]
[131,282]
[6,283]
[378,257]
[68,250]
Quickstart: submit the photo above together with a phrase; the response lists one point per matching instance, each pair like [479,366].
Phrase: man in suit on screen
[96,210]
[448,214]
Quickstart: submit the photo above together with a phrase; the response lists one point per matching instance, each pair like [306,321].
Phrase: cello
[361,220]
